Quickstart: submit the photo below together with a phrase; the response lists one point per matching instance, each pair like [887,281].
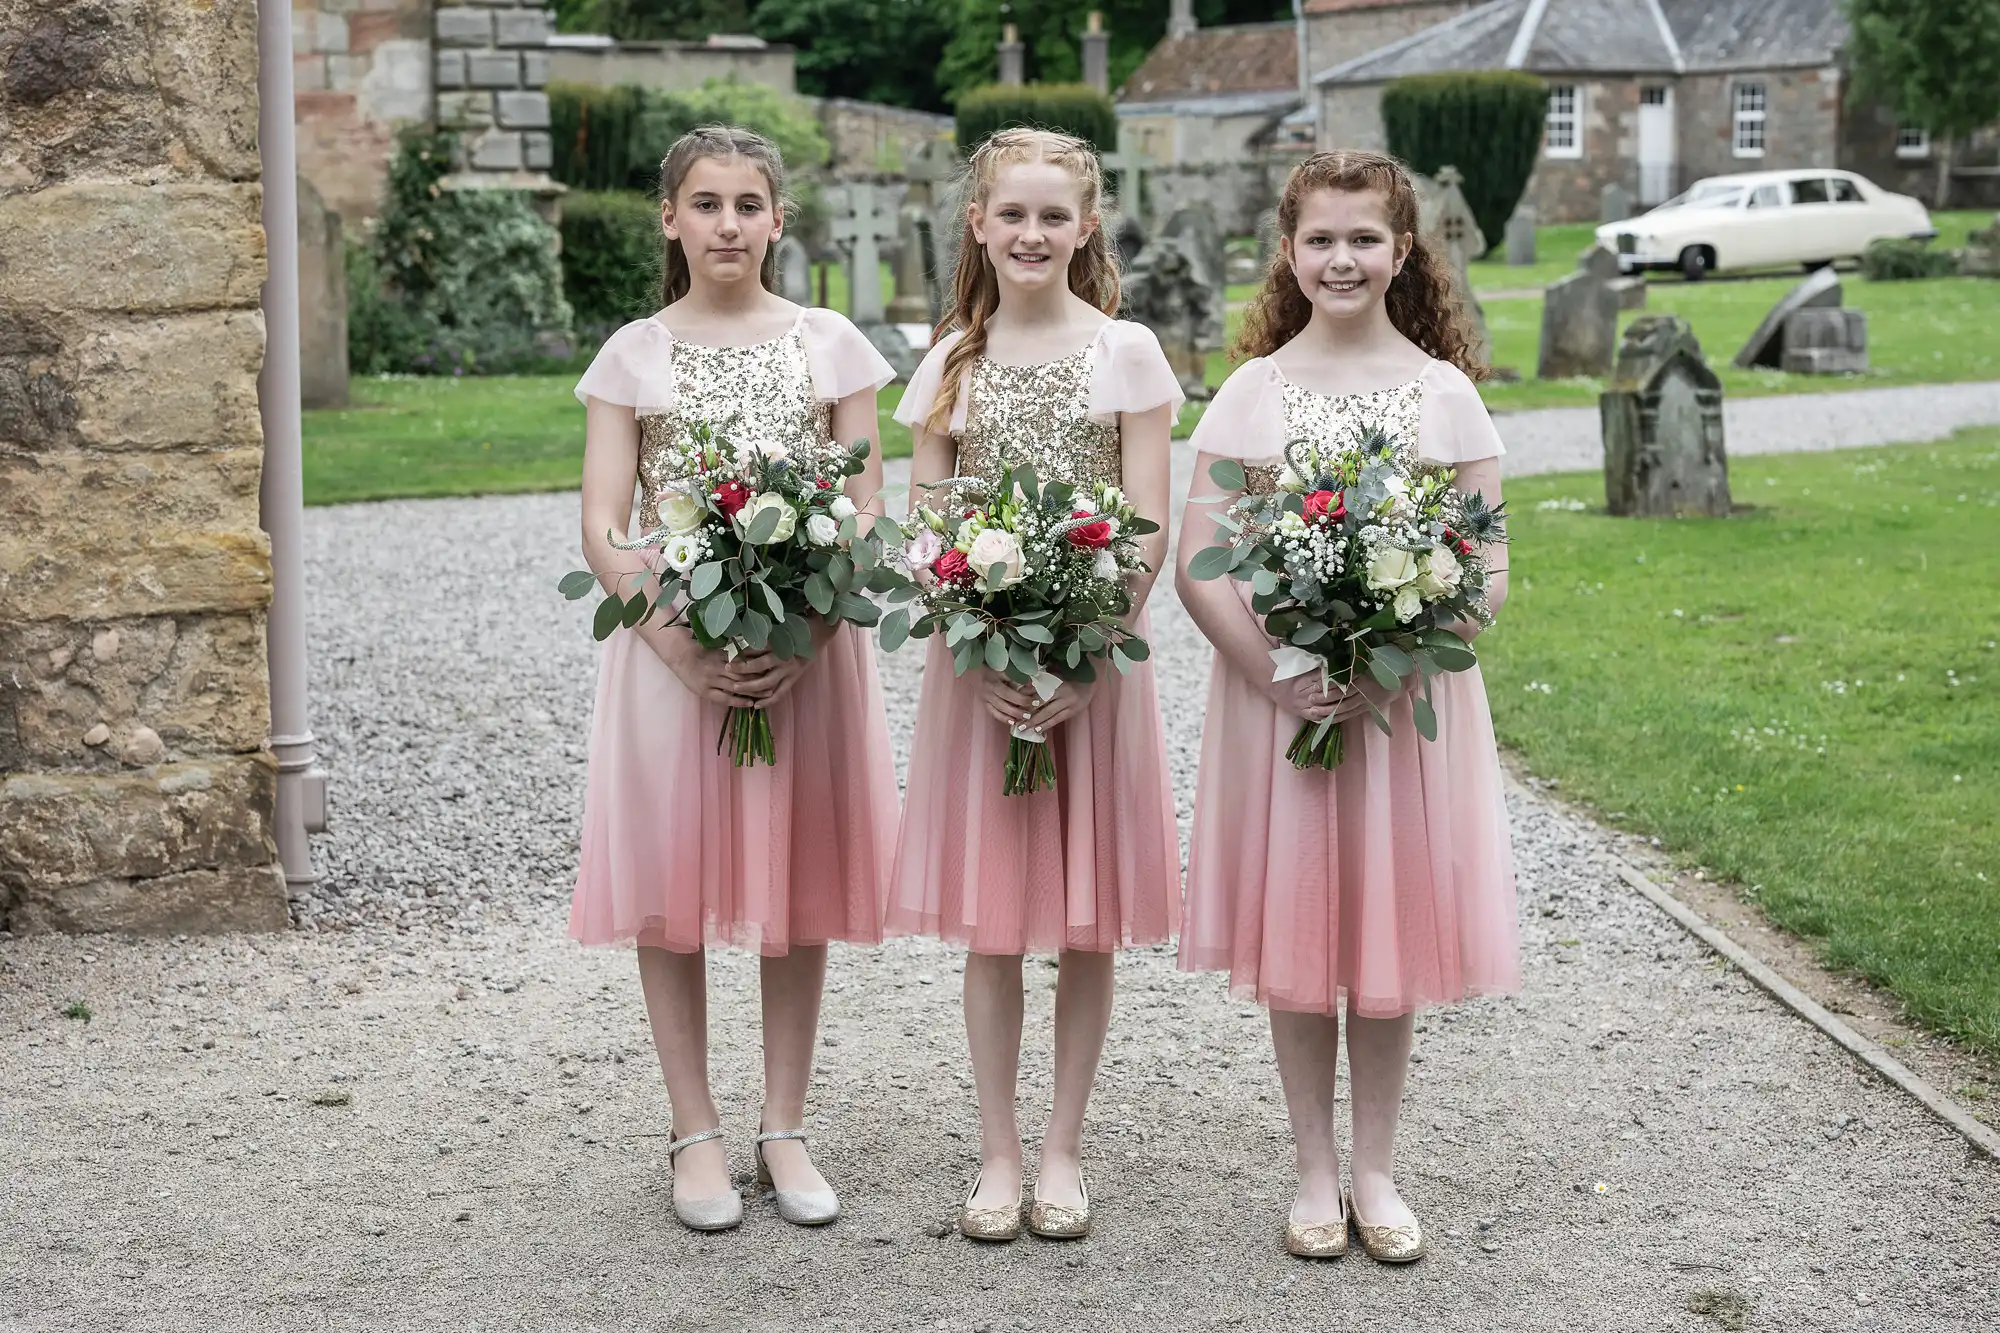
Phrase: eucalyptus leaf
[1264,581]
[852,606]
[707,578]
[1394,658]
[1384,677]
[607,618]
[895,630]
[635,610]
[1211,562]
[819,593]
[1034,633]
[576,583]
[772,600]
[1228,474]
[762,527]
[1137,648]
[754,628]
[718,613]
[1426,717]
[996,651]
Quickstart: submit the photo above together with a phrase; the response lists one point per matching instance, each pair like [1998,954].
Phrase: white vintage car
[1811,217]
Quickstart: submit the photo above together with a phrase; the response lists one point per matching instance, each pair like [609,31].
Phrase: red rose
[1465,548]
[1092,536]
[1320,506]
[825,485]
[731,496]
[953,567]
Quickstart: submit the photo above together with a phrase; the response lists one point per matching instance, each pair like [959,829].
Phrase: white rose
[1441,573]
[682,512]
[1408,602]
[1105,566]
[1289,480]
[842,508]
[748,450]
[682,552]
[1391,567]
[788,517]
[996,547]
[822,531]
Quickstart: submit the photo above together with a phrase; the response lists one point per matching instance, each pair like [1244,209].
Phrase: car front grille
[1628,244]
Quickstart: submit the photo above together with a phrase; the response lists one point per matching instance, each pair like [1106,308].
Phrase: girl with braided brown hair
[1030,368]
[1384,885]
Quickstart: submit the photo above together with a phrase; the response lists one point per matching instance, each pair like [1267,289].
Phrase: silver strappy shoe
[802,1208]
[717,1214]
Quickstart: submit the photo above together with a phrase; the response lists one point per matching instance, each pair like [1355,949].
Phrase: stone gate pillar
[135,787]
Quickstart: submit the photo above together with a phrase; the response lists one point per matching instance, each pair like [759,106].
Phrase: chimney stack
[1180,21]
[1096,53]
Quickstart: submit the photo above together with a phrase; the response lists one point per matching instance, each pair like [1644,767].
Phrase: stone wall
[1339,35]
[1801,128]
[492,64]
[1868,145]
[868,138]
[360,68]
[136,791]
[673,66]
[1568,189]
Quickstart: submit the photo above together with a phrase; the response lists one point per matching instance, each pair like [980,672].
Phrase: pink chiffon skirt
[681,849]
[1389,880]
[1093,864]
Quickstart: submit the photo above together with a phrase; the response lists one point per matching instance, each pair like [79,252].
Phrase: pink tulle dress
[682,849]
[1389,880]
[1094,863]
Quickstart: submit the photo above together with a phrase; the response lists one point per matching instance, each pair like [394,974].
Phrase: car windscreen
[1707,196]
[1846,192]
[1810,190]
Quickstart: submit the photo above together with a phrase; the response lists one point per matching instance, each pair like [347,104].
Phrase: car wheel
[1696,261]
[1815,265]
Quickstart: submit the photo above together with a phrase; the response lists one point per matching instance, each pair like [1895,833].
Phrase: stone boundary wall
[136,789]
[869,139]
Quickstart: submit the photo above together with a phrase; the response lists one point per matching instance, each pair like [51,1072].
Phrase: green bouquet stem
[1327,754]
[1030,766]
[746,733]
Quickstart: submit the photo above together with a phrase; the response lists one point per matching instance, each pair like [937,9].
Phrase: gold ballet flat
[1053,1222]
[987,1223]
[1317,1240]
[1389,1245]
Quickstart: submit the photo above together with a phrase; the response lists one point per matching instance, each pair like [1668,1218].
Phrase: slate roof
[1212,62]
[1611,37]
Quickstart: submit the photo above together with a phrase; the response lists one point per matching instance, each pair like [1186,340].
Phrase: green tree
[873,50]
[1934,63]
[668,20]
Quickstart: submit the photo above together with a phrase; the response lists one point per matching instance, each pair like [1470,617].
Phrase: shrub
[1899,259]
[1488,125]
[1072,108]
[614,138]
[594,131]
[611,255]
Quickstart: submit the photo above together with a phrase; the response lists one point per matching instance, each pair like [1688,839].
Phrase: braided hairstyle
[1424,302]
[724,142]
[1093,269]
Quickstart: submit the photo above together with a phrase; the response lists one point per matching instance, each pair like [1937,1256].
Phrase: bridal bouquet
[749,547]
[1361,559]
[1029,578]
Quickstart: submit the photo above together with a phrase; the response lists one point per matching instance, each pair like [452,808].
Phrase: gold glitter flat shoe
[1388,1245]
[1317,1240]
[1058,1223]
[987,1223]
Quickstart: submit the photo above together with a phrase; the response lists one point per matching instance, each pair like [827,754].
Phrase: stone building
[1337,31]
[136,786]
[1654,95]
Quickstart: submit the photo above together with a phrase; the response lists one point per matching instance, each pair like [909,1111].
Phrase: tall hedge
[611,259]
[614,138]
[1488,125]
[1072,108]
[595,133]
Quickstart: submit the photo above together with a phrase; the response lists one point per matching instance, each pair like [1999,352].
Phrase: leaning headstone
[864,216]
[1614,203]
[1662,420]
[1163,292]
[911,304]
[794,271]
[1981,256]
[1631,292]
[1579,322]
[1449,218]
[1521,237]
[1823,341]
[322,302]
[1195,228]
[1821,288]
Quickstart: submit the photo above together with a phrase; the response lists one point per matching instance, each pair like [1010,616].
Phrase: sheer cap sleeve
[634,368]
[923,388]
[840,356]
[1455,426]
[1246,418]
[1131,373]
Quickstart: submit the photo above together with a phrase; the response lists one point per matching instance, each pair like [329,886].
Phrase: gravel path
[1642,1140]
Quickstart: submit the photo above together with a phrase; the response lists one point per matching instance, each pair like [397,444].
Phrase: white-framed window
[1747,103]
[1912,142]
[1562,134]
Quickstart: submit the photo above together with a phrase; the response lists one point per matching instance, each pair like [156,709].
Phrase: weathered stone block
[204,61]
[1579,327]
[493,69]
[522,27]
[193,902]
[534,69]
[134,534]
[538,152]
[1664,452]
[198,682]
[132,248]
[322,302]
[465,110]
[1820,341]
[1521,237]
[450,71]
[464,27]
[317,30]
[1766,347]
[497,150]
[522,111]
[1631,292]
[70,828]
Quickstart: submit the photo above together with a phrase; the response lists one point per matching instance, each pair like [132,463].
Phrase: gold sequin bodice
[1039,415]
[1338,420]
[760,392]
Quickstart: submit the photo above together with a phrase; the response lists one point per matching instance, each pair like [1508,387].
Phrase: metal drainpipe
[301,782]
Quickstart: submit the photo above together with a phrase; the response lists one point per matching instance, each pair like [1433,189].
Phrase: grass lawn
[1792,697]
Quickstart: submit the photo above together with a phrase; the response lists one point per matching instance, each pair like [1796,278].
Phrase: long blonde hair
[1093,269]
[1423,300]
[725,142]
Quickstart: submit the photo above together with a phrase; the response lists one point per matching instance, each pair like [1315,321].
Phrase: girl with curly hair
[1385,885]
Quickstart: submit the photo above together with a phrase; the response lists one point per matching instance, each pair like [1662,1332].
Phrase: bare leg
[993,1032]
[792,984]
[676,990]
[1083,1015]
[1308,1050]
[1378,1060]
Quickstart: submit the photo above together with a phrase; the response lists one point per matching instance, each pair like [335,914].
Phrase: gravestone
[1163,292]
[1614,203]
[1449,218]
[947,230]
[1267,239]
[1766,347]
[1130,166]
[1631,291]
[863,216]
[1664,454]
[1981,256]
[322,302]
[912,303]
[929,165]
[1826,341]
[1129,238]
[1521,237]
[1580,320]
[794,271]
[1194,228]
